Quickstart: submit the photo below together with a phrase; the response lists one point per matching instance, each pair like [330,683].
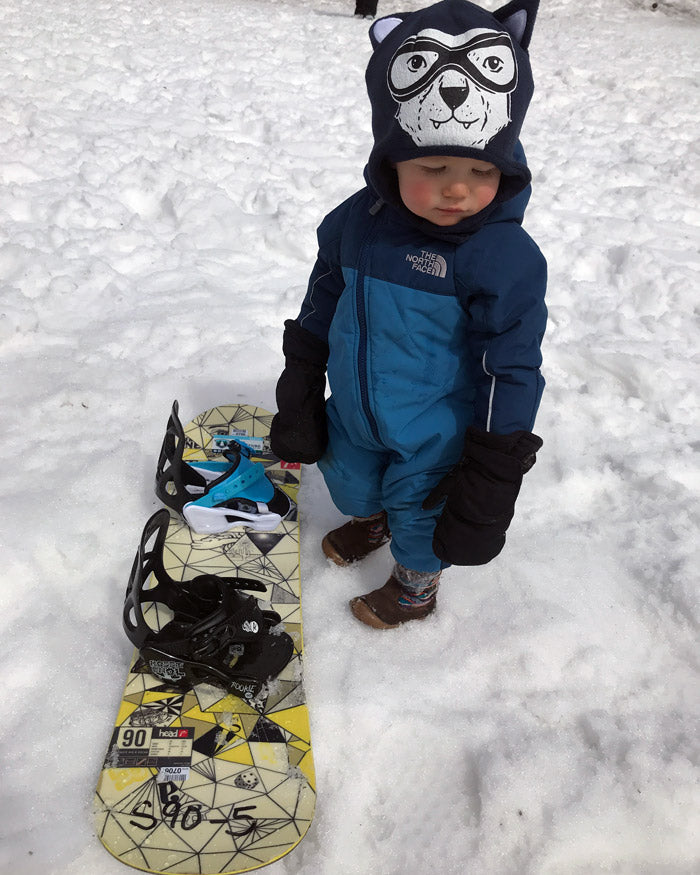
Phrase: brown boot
[356,539]
[390,606]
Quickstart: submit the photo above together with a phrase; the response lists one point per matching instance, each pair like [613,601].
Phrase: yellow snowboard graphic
[200,781]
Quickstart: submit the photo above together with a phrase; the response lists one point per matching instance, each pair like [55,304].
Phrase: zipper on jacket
[361,309]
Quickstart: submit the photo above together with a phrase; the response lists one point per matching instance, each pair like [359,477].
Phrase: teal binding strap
[250,484]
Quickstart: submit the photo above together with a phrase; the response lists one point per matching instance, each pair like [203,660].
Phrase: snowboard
[200,780]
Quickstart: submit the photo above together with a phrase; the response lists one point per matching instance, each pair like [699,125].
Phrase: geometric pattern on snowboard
[218,785]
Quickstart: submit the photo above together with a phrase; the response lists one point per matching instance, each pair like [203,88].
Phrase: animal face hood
[451,79]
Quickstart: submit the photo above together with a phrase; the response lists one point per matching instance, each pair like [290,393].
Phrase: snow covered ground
[163,167]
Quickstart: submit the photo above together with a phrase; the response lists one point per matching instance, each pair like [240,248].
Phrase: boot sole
[366,615]
[362,611]
[339,559]
[333,554]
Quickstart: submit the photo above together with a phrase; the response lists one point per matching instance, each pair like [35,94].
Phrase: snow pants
[365,477]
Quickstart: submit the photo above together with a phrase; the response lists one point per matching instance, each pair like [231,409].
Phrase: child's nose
[456,189]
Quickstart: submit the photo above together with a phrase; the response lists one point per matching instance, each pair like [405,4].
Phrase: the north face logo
[428,262]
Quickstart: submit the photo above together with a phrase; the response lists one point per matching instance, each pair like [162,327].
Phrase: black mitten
[481,491]
[299,432]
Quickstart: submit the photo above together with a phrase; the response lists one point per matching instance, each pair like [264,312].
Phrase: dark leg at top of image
[365,8]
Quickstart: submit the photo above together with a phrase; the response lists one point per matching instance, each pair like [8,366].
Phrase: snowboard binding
[217,634]
[214,497]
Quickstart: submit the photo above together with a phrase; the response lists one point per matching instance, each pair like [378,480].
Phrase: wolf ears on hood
[518,18]
[451,79]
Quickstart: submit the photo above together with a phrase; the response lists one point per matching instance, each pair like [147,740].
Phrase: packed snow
[164,166]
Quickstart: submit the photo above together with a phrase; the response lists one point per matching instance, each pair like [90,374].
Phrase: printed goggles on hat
[487,59]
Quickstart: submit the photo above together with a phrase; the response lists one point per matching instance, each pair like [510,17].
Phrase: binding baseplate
[214,632]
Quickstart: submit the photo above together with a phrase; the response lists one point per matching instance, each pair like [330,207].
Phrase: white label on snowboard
[173,773]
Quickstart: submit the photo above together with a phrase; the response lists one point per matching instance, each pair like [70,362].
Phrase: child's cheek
[419,193]
[484,194]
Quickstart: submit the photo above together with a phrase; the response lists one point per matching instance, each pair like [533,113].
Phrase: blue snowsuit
[430,329]
[427,336]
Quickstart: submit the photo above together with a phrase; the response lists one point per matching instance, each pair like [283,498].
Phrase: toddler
[426,310]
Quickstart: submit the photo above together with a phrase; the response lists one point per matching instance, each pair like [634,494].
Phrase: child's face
[444,189]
